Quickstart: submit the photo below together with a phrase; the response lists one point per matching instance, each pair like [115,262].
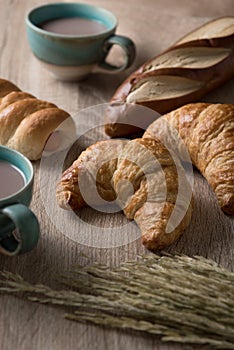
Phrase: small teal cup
[19,227]
[74,57]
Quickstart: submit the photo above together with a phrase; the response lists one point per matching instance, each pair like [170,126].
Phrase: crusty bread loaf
[198,63]
[26,122]
[207,130]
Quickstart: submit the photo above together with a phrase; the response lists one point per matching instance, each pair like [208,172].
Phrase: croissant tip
[227,204]
[228,209]
[153,244]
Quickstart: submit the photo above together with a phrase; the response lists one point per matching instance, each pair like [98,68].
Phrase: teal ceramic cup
[74,56]
[19,227]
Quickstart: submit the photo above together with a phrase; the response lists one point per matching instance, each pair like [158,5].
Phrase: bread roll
[26,122]
[198,63]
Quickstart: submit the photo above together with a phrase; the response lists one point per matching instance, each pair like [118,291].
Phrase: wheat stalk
[182,299]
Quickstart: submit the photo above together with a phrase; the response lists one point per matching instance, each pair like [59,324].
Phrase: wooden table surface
[154,26]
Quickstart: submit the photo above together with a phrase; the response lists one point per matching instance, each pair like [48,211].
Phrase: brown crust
[25,121]
[6,87]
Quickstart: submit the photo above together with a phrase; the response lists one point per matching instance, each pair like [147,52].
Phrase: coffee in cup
[19,227]
[72,40]
[73,26]
[11,179]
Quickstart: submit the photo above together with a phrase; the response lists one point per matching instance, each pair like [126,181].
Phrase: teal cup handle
[76,56]
[129,50]
[22,231]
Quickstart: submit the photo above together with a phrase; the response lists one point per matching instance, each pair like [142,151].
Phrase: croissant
[150,184]
[142,177]
[26,122]
[207,130]
[88,180]
[195,65]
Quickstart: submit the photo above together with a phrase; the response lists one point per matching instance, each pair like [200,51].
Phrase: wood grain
[153,26]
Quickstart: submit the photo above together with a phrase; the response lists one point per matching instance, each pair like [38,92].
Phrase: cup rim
[69,36]
[29,164]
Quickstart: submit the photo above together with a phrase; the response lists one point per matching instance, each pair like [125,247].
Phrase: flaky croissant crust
[91,171]
[143,165]
[148,166]
[208,133]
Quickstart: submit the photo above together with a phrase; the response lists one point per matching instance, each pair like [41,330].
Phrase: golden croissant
[207,131]
[26,122]
[143,178]
[90,173]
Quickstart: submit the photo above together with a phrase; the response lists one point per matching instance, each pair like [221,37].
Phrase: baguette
[196,64]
